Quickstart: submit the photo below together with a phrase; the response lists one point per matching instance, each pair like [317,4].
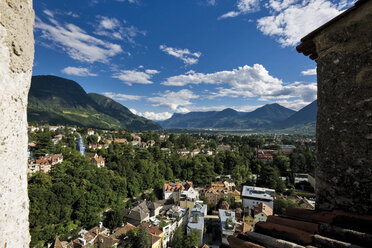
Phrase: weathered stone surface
[300,225]
[344,122]
[16,57]
[325,242]
[284,232]
[268,241]
[347,235]
[235,242]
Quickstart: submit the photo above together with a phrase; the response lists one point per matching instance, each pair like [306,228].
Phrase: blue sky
[158,57]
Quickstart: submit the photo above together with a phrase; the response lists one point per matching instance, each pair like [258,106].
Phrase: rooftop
[257,192]
[226,215]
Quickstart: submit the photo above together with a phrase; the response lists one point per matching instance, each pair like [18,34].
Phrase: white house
[253,196]
[227,224]
[196,221]
[180,191]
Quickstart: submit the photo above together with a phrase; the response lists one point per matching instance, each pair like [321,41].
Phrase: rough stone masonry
[343,52]
[16,59]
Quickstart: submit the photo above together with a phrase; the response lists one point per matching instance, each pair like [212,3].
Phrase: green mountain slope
[57,100]
[230,118]
[306,115]
[121,113]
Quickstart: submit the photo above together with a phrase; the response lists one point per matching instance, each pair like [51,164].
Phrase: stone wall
[16,58]
[344,122]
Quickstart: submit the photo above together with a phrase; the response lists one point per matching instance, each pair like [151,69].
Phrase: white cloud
[48,13]
[121,97]
[211,2]
[152,115]
[188,57]
[310,72]
[78,71]
[135,77]
[113,28]
[278,5]
[248,108]
[247,82]
[294,104]
[76,42]
[293,19]
[229,15]
[255,79]
[151,72]
[243,7]
[173,100]
[109,23]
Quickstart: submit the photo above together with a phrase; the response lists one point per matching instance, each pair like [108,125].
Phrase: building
[121,232]
[57,138]
[156,236]
[46,162]
[217,190]
[286,149]
[80,146]
[261,212]
[265,154]
[223,148]
[95,237]
[99,161]
[248,216]
[154,207]
[227,224]
[180,191]
[253,196]
[137,214]
[195,152]
[196,221]
[121,141]
[90,131]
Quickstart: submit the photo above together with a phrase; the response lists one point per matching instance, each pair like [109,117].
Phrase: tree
[113,219]
[270,178]
[143,238]
[180,240]
[92,139]
[282,162]
[281,205]
[192,239]
[177,238]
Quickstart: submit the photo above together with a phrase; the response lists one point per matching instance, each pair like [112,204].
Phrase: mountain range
[58,101]
[270,116]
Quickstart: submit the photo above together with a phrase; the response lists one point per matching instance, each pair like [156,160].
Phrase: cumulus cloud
[113,28]
[296,104]
[310,72]
[173,100]
[76,42]
[188,57]
[248,82]
[78,71]
[135,77]
[122,97]
[152,115]
[243,7]
[211,2]
[290,20]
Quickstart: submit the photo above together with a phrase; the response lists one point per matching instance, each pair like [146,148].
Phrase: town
[149,189]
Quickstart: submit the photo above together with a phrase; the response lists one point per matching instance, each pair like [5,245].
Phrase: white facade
[253,196]
[227,224]
[260,217]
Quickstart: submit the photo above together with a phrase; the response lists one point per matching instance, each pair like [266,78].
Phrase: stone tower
[16,59]
[342,49]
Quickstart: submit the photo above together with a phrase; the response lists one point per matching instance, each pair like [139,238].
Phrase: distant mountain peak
[56,100]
